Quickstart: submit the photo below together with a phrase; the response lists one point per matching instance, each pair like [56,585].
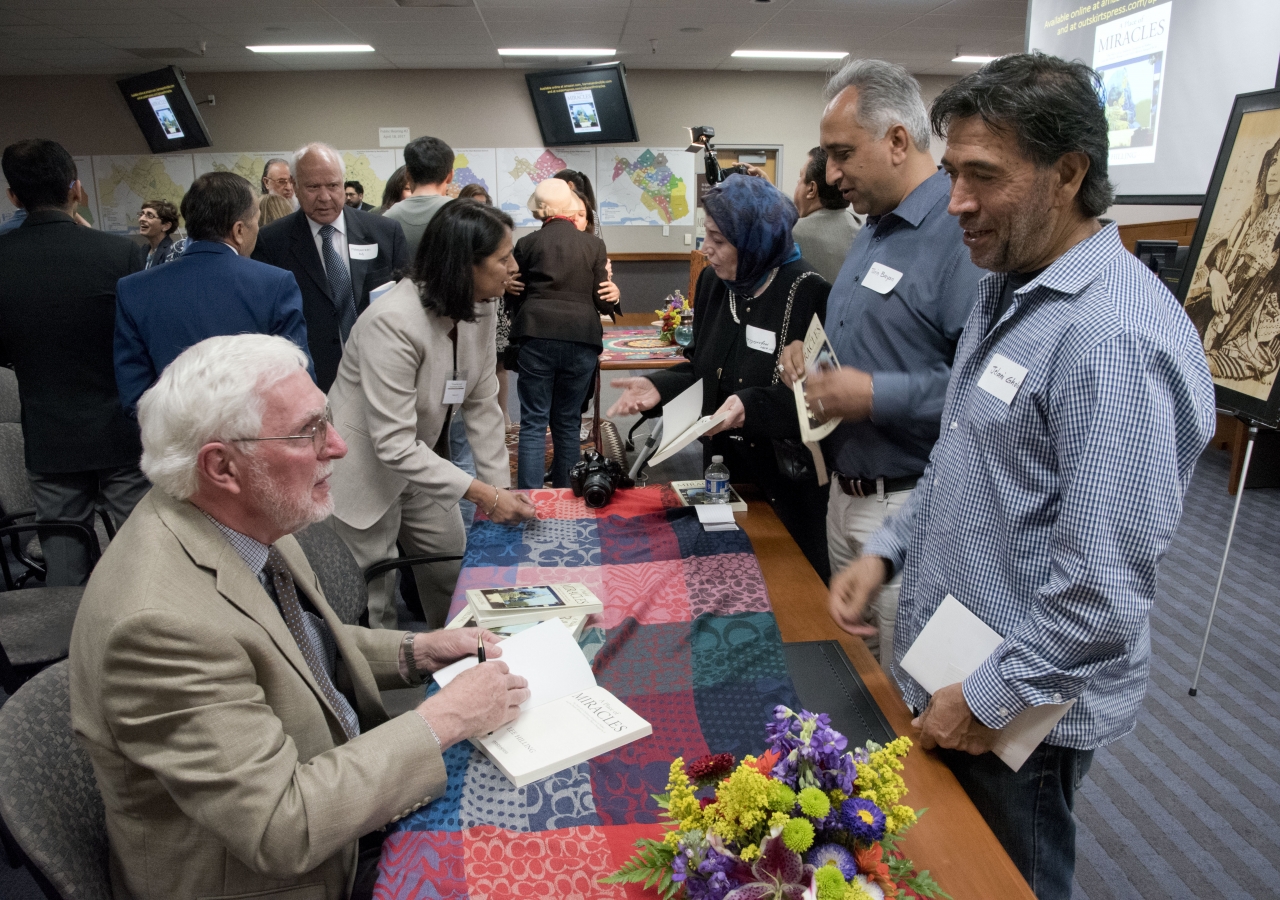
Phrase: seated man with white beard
[234,723]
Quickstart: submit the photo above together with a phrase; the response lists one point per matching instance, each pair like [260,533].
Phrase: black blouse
[720,355]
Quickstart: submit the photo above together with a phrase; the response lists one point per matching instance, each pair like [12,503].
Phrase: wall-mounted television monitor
[585,105]
[164,110]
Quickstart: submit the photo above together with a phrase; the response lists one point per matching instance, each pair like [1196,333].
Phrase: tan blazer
[223,769]
[387,405]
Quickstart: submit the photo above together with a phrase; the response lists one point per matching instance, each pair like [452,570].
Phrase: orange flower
[764,765]
[871,863]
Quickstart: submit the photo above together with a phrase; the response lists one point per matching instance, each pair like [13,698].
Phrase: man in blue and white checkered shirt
[1078,404]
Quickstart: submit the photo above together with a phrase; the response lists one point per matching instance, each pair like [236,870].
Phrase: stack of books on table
[510,610]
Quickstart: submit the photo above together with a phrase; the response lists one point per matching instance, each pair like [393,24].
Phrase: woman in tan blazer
[422,351]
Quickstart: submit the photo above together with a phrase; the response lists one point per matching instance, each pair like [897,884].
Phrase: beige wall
[466,108]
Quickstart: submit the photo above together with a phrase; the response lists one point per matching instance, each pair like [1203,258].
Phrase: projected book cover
[1128,55]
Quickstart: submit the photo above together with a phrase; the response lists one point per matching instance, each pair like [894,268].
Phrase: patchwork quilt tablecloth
[637,345]
[686,639]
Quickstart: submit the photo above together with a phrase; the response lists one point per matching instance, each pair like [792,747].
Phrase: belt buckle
[856,484]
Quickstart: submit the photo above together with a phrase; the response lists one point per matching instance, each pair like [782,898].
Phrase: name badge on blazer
[363,251]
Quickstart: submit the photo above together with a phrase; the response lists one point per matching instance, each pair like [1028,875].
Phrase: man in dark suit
[57,318]
[213,288]
[355,195]
[338,254]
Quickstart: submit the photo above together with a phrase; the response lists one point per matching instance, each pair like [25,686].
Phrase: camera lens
[597,490]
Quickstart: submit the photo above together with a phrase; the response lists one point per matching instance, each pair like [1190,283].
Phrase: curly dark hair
[461,235]
[165,211]
[1052,107]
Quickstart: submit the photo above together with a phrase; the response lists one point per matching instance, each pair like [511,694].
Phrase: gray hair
[211,392]
[888,95]
[319,149]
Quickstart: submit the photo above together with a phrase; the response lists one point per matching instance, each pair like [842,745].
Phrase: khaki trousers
[424,528]
[850,523]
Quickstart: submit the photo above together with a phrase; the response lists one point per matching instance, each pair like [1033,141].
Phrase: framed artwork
[1232,293]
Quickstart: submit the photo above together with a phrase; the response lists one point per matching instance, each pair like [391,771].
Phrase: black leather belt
[866,487]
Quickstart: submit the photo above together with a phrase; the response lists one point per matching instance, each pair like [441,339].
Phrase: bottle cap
[716,459]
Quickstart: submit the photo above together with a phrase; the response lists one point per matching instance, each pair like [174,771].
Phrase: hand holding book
[434,650]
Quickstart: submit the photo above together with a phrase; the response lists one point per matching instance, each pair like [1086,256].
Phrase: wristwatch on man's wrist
[406,654]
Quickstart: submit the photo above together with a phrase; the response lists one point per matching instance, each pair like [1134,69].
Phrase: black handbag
[794,461]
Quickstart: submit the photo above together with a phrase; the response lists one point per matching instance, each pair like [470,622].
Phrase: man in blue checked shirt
[1056,486]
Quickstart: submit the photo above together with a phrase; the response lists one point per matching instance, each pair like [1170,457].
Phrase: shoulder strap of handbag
[786,322]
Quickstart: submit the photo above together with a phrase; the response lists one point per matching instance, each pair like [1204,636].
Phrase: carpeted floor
[1188,805]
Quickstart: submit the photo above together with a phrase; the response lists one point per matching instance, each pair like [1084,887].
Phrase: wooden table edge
[952,840]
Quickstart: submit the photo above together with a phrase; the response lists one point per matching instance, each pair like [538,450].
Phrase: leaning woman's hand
[609,292]
[735,415]
[638,394]
[500,505]
[512,509]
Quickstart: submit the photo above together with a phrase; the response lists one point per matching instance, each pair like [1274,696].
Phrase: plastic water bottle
[717,481]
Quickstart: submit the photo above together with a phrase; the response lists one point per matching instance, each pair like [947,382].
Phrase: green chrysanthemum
[797,834]
[781,797]
[831,883]
[814,803]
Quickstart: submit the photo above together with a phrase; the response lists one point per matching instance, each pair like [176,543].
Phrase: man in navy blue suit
[212,289]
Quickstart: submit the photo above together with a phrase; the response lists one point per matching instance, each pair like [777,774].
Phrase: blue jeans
[462,457]
[554,378]
[1030,810]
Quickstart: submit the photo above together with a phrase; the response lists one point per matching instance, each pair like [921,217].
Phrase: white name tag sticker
[759,339]
[1002,378]
[881,279]
[363,251]
[454,392]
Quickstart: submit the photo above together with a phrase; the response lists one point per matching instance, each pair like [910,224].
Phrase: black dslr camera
[700,142]
[595,478]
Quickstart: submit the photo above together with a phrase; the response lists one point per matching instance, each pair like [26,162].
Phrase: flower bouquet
[674,308]
[806,820]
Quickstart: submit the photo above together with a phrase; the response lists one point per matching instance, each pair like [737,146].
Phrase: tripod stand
[1231,530]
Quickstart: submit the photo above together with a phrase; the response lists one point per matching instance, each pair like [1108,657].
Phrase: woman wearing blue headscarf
[756,296]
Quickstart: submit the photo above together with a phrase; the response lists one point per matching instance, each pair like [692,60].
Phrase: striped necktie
[308,641]
[344,302]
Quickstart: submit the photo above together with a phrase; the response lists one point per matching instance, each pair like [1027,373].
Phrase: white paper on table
[546,655]
[716,517]
[952,644]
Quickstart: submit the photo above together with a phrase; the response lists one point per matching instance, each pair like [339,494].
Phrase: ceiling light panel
[554,51]
[310,48]
[790,54]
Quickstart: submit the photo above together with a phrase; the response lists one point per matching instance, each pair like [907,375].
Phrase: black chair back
[49,798]
[340,577]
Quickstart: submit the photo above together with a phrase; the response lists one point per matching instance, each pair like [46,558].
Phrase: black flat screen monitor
[586,105]
[164,110]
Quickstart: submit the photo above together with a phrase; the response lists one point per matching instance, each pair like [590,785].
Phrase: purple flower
[813,754]
[779,874]
[702,869]
[862,819]
[835,855]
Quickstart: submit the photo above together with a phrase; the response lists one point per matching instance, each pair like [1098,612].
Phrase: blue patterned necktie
[339,276]
[309,642]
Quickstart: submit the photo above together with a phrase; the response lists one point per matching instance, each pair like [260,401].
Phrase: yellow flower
[742,805]
[880,782]
[749,852]
[682,805]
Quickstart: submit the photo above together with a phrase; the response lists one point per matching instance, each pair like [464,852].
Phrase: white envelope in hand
[953,643]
